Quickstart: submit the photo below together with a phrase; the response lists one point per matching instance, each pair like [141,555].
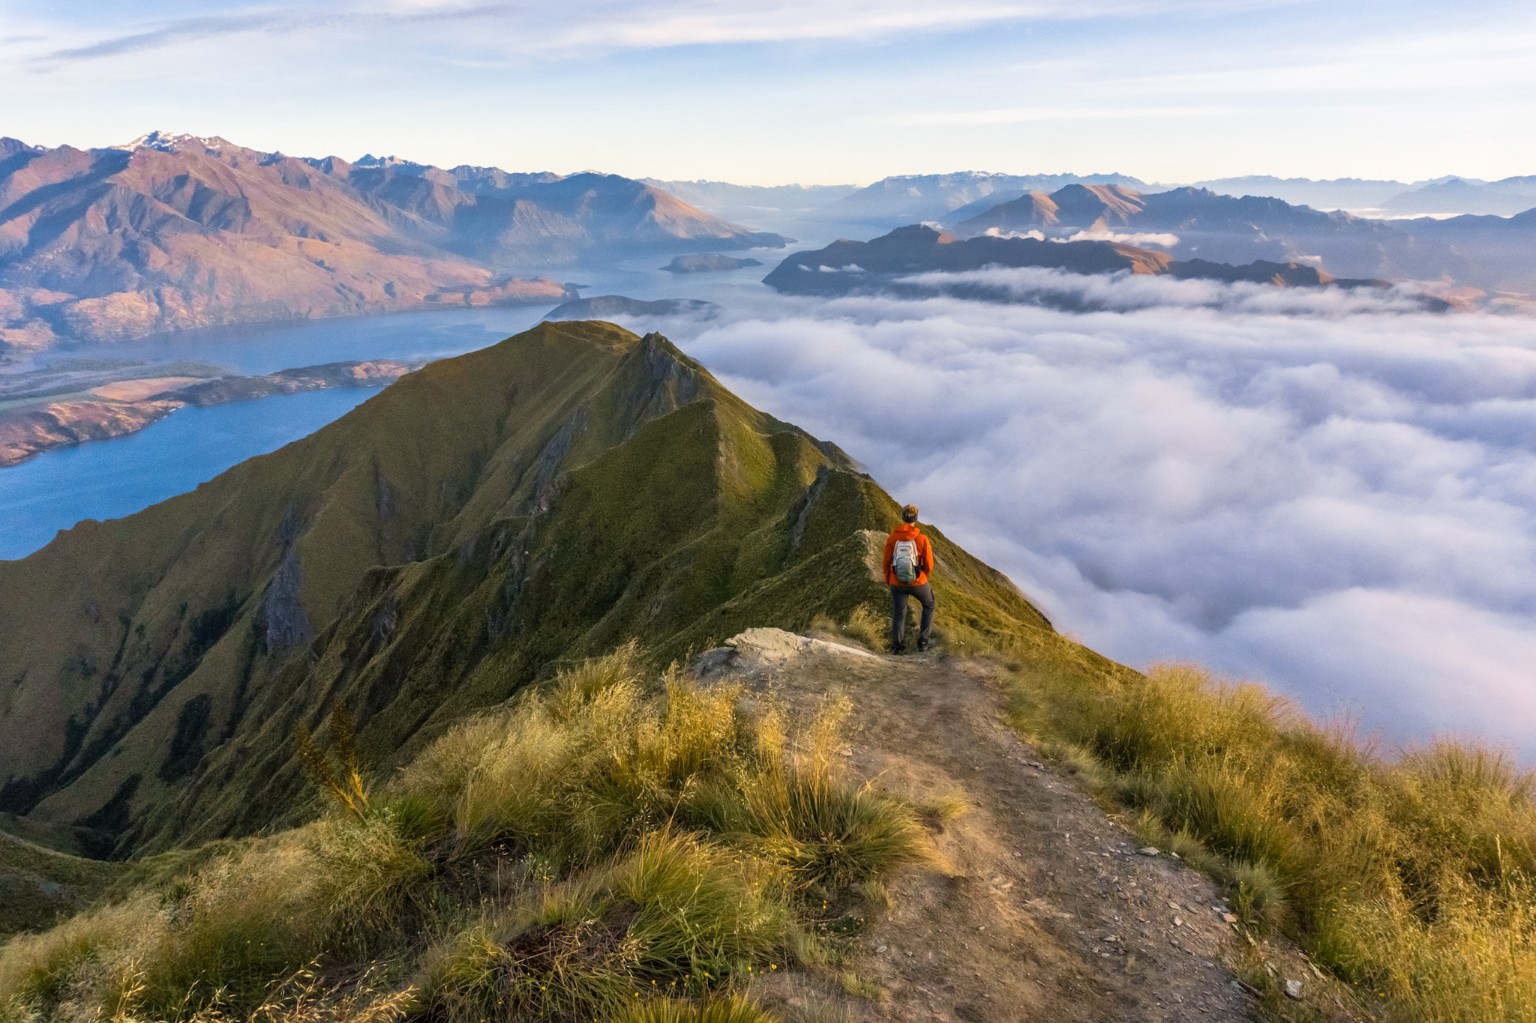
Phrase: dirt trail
[1040,907]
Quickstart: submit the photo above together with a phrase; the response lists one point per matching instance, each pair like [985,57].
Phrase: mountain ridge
[428,553]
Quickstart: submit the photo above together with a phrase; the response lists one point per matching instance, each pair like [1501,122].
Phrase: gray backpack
[904,561]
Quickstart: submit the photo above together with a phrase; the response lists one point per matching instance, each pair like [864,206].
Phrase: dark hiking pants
[899,595]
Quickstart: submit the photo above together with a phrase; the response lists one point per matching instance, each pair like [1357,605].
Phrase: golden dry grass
[613,840]
[1412,878]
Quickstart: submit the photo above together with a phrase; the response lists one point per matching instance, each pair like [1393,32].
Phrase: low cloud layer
[1330,492]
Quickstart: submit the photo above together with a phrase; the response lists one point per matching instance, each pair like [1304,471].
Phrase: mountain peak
[167,142]
[10,147]
[369,160]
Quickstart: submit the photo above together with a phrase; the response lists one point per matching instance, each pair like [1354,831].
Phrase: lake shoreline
[127,404]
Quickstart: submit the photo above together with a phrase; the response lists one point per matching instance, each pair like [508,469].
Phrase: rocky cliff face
[431,552]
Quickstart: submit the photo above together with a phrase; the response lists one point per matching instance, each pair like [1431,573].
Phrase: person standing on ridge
[908,562]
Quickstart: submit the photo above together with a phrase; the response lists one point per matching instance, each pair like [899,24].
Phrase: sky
[1331,493]
[809,91]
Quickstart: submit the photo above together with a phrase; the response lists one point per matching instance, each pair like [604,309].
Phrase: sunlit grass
[1410,877]
[611,841]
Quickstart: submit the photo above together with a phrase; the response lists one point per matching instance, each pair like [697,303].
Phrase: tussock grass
[729,1010]
[611,845]
[1413,878]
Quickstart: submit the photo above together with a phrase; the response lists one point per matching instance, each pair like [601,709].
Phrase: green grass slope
[39,884]
[430,553]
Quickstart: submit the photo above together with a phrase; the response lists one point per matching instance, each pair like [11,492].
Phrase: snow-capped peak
[167,143]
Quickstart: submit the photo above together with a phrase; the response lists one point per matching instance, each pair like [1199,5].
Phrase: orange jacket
[909,531]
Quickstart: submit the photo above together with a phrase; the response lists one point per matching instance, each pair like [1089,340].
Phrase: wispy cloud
[185,30]
[1042,114]
[192,30]
[588,25]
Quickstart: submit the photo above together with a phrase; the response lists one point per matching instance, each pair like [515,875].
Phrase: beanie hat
[909,513]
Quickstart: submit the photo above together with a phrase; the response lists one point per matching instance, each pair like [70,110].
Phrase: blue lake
[112,478]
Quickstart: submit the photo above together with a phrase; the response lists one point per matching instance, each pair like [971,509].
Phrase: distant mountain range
[916,197]
[748,202]
[173,232]
[949,198]
[1193,223]
[1440,196]
[1504,198]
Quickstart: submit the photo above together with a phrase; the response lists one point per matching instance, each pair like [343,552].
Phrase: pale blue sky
[816,91]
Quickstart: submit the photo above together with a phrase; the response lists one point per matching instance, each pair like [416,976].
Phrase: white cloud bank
[1321,490]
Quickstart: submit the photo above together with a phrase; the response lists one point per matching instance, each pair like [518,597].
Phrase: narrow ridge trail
[1038,906]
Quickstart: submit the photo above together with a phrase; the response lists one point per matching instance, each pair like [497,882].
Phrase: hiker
[908,561]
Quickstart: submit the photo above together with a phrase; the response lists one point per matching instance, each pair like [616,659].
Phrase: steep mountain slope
[175,232]
[431,552]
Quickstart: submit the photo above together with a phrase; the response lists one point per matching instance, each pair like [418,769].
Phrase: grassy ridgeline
[608,849]
[1414,879]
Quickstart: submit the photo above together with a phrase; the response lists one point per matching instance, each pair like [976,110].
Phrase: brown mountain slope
[176,233]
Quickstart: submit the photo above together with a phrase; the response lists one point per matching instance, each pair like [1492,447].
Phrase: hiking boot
[922,645]
[898,649]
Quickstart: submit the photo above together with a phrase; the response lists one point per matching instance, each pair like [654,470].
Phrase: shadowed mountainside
[882,264]
[429,553]
[176,232]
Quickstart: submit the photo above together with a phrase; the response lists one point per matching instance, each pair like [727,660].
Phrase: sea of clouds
[1332,492]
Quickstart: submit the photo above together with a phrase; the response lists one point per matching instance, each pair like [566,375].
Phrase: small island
[607,307]
[706,263]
